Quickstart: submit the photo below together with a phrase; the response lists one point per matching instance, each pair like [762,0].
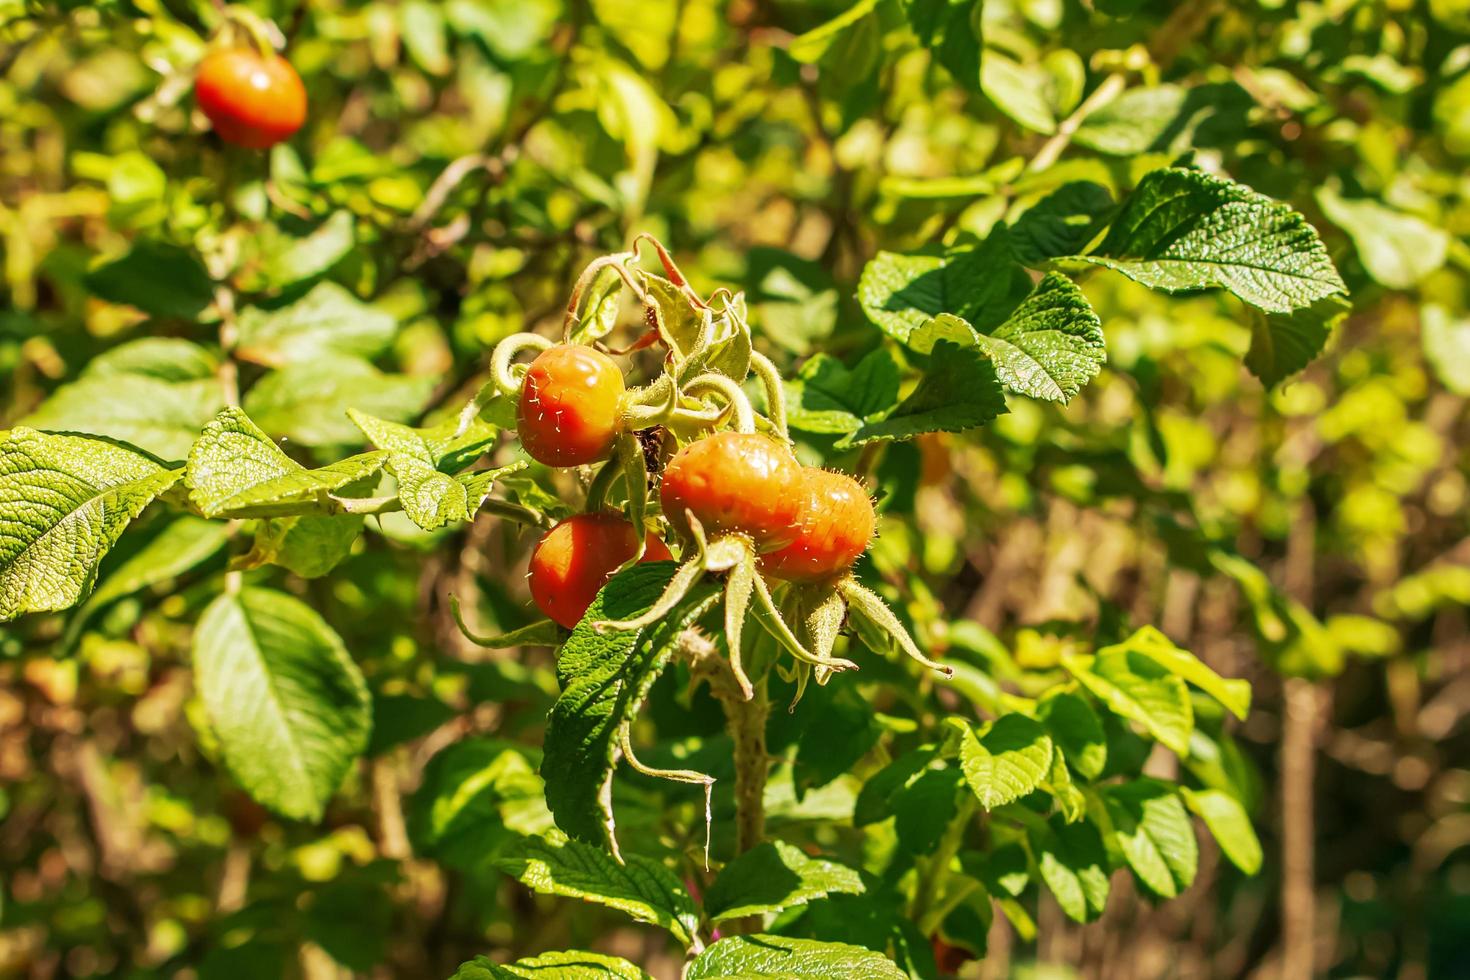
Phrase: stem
[229,382]
[1111,87]
[747,723]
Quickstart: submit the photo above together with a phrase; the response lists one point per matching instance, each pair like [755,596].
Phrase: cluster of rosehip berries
[805,524]
[779,538]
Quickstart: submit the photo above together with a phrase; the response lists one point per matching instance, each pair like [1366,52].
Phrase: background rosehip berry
[250,99]
[733,481]
[570,412]
[834,528]
[577,557]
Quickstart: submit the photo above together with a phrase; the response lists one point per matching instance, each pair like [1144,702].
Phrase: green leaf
[328,320]
[158,278]
[288,704]
[1006,760]
[773,876]
[604,678]
[308,402]
[925,807]
[64,500]
[1234,694]
[511,29]
[1062,223]
[903,292]
[164,358]
[1076,730]
[1140,689]
[811,46]
[601,303]
[437,445]
[1184,230]
[640,887]
[1020,91]
[744,957]
[308,545]
[959,391]
[1074,865]
[1230,825]
[1133,123]
[1051,345]
[569,965]
[1284,343]
[1398,250]
[432,499]
[478,796]
[826,397]
[952,30]
[1446,340]
[290,260]
[423,35]
[1154,833]
[235,470]
[182,543]
[160,417]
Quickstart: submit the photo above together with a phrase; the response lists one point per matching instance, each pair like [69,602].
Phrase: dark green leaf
[1184,230]
[478,796]
[1284,343]
[604,679]
[773,876]
[157,278]
[959,391]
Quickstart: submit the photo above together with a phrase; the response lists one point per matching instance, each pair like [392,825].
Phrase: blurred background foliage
[463,160]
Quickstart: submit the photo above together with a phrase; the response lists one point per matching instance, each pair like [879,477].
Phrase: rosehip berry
[834,528]
[251,100]
[735,482]
[577,557]
[570,411]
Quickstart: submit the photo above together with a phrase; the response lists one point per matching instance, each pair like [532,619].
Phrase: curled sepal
[651,405]
[775,393]
[673,594]
[502,372]
[625,746]
[739,585]
[770,617]
[869,606]
[736,402]
[542,633]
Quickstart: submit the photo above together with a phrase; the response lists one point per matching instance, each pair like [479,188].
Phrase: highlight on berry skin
[834,527]
[576,558]
[735,482]
[569,413]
